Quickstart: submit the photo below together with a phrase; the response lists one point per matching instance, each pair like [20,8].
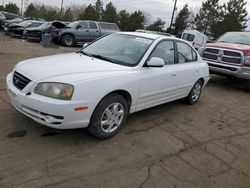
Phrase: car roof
[152,36]
[238,32]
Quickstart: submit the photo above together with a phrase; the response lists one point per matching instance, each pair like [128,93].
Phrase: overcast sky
[156,8]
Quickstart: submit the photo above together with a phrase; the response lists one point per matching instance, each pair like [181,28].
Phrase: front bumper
[53,113]
[230,70]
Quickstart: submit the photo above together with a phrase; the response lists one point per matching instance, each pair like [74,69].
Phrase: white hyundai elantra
[98,86]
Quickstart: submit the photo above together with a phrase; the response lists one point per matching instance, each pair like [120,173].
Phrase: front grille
[222,56]
[20,81]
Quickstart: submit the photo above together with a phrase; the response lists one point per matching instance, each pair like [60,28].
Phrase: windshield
[121,49]
[45,25]
[188,37]
[238,38]
[25,23]
[73,24]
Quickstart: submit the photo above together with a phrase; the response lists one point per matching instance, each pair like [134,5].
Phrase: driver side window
[83,25]
[165,51]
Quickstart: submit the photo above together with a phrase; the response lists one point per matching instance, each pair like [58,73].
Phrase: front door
[159,84]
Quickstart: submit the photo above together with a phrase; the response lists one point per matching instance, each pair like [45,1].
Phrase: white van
[194,37]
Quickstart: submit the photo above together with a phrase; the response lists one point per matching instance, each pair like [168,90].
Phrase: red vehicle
[229,55]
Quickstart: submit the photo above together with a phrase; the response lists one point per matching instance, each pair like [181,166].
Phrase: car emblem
[220,55]
[17,81]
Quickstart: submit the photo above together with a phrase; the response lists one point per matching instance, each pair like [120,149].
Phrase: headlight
[55,90]
[247,61]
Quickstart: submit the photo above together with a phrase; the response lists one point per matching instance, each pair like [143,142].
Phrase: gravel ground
[172,145]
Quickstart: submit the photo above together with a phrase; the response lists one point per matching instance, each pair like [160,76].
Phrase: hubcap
[68,41]
[112,117]
[196,91]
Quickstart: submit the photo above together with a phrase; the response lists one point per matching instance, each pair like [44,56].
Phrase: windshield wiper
[85,53]
[102,58]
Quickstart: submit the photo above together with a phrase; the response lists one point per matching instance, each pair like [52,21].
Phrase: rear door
[94,31]
[188,68]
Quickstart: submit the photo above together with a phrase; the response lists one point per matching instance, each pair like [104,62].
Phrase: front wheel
[68,41]
[195,93]
[108,117]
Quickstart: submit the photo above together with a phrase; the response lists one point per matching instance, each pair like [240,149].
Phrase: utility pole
[170,27]
[61,7]
[21,7]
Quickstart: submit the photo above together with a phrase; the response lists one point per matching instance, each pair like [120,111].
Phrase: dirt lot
[173,145]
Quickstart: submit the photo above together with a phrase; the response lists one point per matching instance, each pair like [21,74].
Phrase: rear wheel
[108,117]
[68,40]
[195,93]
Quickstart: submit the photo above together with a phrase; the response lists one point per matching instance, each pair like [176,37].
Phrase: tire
[195,93]
[105,122]
[68,41]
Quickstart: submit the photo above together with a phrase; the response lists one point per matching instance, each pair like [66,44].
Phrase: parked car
[196,38]
[35,33]
[83,31]
[18,29]
[98,86]
[4,16]
[229,55]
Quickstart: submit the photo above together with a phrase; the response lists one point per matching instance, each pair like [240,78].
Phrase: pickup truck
[83,31]
[229,55]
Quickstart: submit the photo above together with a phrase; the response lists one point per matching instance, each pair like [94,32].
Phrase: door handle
[97,31]
[87,30]
[197,70]
[173,74]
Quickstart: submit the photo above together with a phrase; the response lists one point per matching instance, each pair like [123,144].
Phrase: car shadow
[229,85]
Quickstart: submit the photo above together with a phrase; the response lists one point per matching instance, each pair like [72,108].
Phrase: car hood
[74,66]
[232,46]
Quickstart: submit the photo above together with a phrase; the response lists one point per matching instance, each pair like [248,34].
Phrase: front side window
[83,25]
[185,53]
[165,51]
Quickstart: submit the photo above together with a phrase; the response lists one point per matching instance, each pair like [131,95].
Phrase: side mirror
[155,62]
[78,27]
[85,44]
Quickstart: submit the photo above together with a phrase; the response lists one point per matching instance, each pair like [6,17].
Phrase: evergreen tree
[123,20]
[181,21]
[208,16]
[234,16]
[31,11]
[158,25]
[68,16]
[99,9]
[89,14]
[43,12]
[12,7]
[110,14]
[2,8]
[136,21]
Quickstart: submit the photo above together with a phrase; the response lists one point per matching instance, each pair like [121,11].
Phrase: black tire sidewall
[94,127]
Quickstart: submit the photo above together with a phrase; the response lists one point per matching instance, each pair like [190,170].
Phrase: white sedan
[98,86]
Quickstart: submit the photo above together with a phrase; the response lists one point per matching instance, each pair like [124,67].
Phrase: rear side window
[108,26]
[185,53]
[92,25]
